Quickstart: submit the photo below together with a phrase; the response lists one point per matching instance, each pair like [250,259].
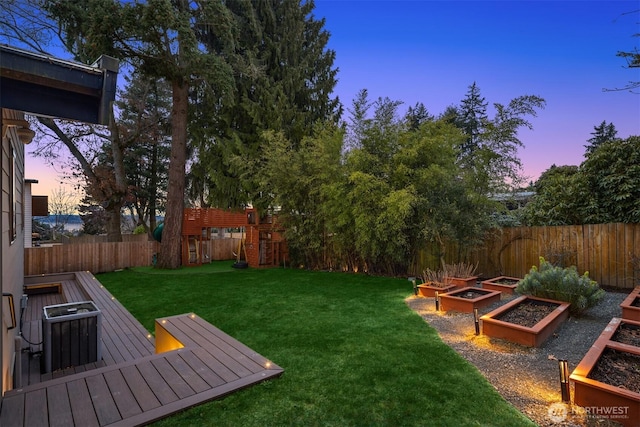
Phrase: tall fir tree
[472,118]
[602,133]
[284,77]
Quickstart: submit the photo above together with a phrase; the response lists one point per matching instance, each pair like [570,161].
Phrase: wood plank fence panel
[107,256]
[606,251]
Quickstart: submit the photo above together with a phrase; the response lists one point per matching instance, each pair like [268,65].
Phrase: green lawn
[354,354]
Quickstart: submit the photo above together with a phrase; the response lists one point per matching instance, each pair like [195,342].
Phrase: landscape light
[476,320]
[564,381]
[415,288]
[437,302]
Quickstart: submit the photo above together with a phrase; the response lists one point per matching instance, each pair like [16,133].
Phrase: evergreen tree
[489,155]
[284,78]
[145,110]
[472,118]
[601,134]
[417,115]
[94,219]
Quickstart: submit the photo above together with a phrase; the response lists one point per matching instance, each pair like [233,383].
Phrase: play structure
[261,243]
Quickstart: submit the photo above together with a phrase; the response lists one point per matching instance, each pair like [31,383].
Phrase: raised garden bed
[463,282]
[526,320]
[607,379]
[429,289]
[504,284]
[466,299]
[631,305]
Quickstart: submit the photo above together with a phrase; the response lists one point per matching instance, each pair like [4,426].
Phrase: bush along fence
[103,257]
[609,252]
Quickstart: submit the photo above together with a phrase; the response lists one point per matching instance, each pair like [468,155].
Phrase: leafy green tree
[605,188]
[557,200]
[602,133]
[304,193]
[403,189]
[160,38]
[488,156]
[612,178]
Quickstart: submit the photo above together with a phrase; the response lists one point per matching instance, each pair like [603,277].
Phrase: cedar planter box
[599,398]
[531,336]
[466,299]
[463,282]
[429,290]
[504,284]
[631,305]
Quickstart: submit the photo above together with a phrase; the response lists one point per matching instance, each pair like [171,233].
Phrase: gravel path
[526,377]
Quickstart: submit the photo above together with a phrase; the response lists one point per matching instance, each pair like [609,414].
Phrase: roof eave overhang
[44,85]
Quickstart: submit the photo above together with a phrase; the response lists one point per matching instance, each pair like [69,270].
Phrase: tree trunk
[170,247]
[114,222]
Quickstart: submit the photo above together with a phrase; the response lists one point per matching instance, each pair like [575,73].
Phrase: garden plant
[561,284]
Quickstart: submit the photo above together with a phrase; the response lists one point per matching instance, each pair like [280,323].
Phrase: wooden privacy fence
[103,257]
[609,252]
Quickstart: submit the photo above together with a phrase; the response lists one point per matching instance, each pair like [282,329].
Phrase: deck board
[83,412]
[133,385]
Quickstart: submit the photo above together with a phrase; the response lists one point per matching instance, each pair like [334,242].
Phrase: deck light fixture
[564,380]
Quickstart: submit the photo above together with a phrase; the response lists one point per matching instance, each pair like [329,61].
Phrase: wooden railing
[609,252]
[103,257]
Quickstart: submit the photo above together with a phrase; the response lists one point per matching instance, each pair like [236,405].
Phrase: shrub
[435,277]
[461,269]
[562,284]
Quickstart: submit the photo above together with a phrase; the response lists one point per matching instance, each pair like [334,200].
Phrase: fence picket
[605,250]
[105,256]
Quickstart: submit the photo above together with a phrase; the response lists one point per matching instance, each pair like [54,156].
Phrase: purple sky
[431,51]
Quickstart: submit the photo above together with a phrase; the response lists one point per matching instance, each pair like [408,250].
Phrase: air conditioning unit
[71,335]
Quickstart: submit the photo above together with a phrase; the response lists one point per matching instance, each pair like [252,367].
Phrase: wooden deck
[139,380]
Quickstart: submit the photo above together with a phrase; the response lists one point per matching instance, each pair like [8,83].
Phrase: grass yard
[354,354]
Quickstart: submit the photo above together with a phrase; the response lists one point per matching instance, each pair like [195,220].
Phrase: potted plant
[434,281]
[461,274]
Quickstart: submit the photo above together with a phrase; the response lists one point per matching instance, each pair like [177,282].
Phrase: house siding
[12,242]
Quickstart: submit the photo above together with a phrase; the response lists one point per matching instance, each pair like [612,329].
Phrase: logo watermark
[610,412]
[558,412]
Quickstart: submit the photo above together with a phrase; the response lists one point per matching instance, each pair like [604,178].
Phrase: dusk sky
[432,51]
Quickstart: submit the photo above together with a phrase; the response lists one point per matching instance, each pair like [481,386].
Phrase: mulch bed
[627,334]
[528,313]
[618,369]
